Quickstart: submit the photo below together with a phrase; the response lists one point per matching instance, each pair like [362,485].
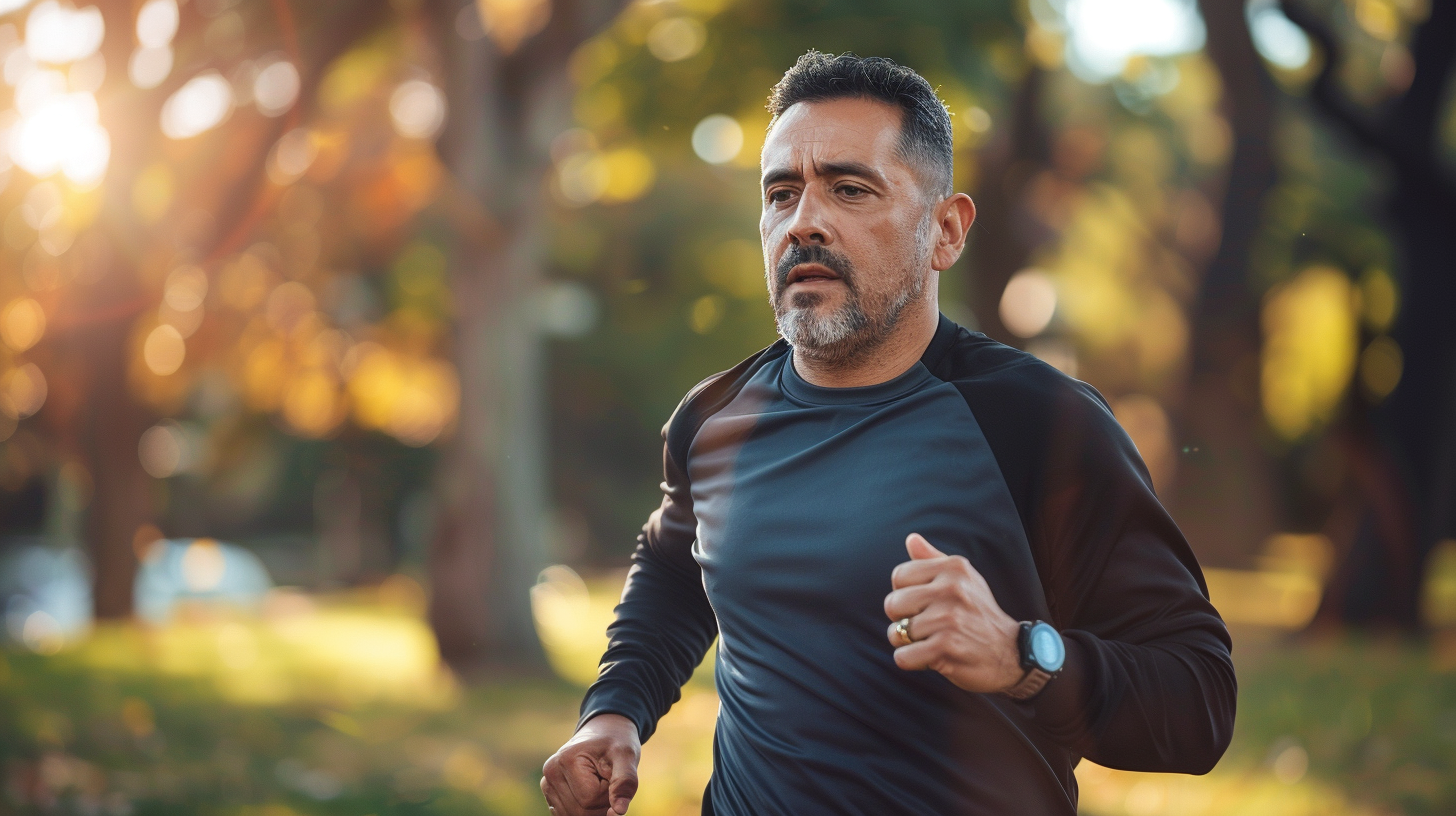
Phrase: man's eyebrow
[783,174]
[850,168]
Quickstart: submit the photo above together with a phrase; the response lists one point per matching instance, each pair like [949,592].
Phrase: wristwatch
[1042,656]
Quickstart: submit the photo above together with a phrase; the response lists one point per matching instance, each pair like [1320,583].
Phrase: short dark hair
[925,132]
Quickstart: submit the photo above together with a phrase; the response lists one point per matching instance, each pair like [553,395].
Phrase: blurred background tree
[506,67]
[1398,435]
[272,169]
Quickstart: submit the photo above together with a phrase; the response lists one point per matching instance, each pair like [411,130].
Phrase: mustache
[815,254]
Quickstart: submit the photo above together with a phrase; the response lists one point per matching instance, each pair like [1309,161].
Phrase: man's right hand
[595,772]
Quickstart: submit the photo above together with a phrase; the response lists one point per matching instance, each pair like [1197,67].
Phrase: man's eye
[780,196]
[851,191]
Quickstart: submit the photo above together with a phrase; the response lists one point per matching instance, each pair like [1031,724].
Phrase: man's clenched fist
[595,772]
[959,629]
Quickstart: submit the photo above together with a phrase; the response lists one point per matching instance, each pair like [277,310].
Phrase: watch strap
[1031,683]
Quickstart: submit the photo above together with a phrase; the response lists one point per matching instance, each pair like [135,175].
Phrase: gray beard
[844,334]
[849,332]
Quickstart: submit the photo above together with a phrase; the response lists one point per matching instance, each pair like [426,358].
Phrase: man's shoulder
[992,374]
[711,394]
[1036,419]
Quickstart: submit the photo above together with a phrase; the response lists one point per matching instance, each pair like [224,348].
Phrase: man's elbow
[1195,742]
[1187,753]
[1200,755]
[1201,759]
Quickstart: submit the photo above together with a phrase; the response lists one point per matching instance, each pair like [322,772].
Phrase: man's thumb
[920,549]
[623,784]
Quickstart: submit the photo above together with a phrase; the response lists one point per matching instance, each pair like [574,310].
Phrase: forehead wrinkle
[800,143]
[800,131]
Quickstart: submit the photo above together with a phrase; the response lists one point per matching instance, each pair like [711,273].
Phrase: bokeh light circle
[718,139]
[197,107]
[418,109]
[1028,303]
[164,350]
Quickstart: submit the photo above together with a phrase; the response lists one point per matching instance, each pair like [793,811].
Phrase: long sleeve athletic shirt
[786,507]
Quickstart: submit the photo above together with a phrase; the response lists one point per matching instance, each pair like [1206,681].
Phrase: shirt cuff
[1061,709]
[616,698]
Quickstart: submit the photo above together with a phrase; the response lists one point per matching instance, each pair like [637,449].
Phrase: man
[1049,608]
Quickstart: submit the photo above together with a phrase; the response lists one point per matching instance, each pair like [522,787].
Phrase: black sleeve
[1148,683]
[664,623]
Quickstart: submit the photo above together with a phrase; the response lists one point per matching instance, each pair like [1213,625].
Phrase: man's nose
[810,222]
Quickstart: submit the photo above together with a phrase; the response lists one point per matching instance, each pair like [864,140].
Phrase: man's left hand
[958,628]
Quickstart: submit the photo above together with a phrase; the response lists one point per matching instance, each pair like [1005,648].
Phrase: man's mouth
[811,273]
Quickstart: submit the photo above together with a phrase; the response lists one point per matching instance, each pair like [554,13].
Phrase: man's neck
[900,350]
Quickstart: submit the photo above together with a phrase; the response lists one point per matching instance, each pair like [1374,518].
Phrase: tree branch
[1433,49]
[246,208]
[1409,150]
[1248,103]
[1326,92]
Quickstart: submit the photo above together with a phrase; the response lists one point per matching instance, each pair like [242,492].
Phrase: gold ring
[902,628]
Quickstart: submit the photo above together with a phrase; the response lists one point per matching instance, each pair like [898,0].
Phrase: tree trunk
[1224,496]
[123,492]
[1005,236]
[505,106]
[488,547]
[93,328]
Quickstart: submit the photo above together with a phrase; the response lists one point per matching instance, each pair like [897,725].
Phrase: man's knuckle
[961,591]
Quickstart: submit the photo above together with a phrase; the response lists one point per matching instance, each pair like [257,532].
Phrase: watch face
[1047,648]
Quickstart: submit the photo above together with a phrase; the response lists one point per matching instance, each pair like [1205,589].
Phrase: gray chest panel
[804,497]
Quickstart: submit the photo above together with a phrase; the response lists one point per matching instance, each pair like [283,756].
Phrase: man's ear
[954,216]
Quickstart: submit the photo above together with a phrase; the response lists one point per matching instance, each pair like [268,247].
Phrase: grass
[335,709]
[1334,726]
[339,707]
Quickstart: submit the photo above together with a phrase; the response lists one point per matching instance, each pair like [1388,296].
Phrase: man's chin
[822,298]
[817,320]
[826,333]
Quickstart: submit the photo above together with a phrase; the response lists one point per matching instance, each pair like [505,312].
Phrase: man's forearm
[664,626]
[1165,707]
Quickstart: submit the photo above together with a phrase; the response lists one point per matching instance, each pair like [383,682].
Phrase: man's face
[846,226]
